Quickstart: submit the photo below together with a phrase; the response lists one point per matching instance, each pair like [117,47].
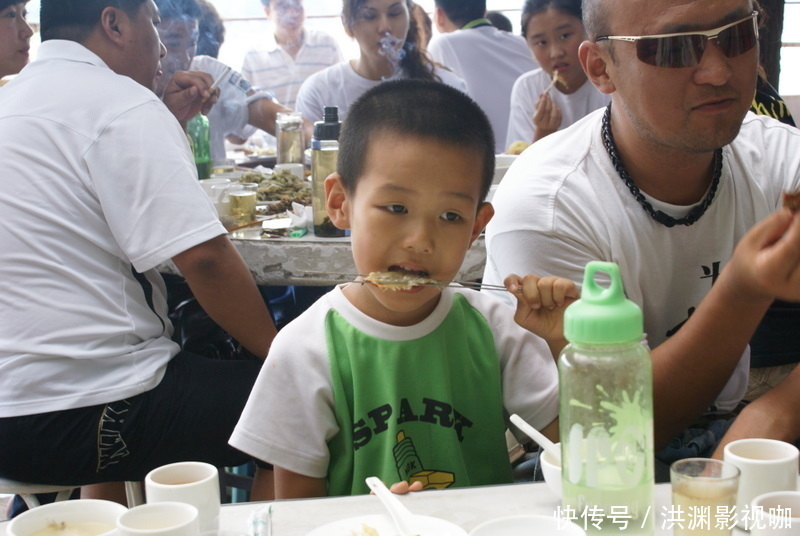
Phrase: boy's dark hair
[74,20]
[534,7]
[500,21]
[461,12]
[178,9]
[419,108]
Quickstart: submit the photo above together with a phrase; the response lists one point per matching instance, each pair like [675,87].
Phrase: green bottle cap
[603,315]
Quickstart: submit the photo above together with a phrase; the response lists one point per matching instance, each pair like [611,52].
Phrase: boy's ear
[337,202]
[485,213]
[595,60]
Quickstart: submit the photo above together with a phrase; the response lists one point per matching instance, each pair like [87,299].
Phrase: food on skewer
[792,201]
[556,78]
[398,280]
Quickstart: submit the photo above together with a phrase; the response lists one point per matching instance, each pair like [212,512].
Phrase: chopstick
[216,83]
[243,226]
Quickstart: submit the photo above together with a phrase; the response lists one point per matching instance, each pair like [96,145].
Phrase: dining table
[466,507]
[313,260]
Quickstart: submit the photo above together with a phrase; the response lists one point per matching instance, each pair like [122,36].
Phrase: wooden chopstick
[243,226]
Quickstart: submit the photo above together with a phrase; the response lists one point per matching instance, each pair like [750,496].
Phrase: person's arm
[692,366]
[187,94]
[262,113]
[290,485]
[223,286]
[773,415]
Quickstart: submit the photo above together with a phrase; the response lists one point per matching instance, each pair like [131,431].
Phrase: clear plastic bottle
[199,132]
[324,153]
[606,410]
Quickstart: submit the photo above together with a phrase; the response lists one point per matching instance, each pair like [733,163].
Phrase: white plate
[527,525]
[427,526]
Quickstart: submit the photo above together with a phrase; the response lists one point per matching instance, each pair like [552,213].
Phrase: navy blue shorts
[190,415]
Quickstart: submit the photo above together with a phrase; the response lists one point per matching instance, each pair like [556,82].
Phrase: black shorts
[190,415]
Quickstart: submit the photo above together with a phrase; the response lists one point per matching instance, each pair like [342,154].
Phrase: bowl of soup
[84,517]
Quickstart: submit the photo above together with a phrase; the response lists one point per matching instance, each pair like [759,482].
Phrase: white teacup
[194,483]
[776,514]
[92,517]
[159,519]
[766,465]
[207,184]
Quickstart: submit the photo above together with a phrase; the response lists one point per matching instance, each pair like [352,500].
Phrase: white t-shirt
[289,418]
[273,69]
[99,188]
[526,92]
[490,61]
[230,114]
[340,86]
[562,204]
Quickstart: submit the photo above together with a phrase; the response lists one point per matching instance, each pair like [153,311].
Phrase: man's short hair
[595,18]
[418,108]
[74,20]
[178,9]
[461,12]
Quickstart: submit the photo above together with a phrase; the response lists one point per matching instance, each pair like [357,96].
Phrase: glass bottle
[199,132]
[324,153]
[606,409]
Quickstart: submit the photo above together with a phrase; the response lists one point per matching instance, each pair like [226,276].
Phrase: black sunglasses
[685,49]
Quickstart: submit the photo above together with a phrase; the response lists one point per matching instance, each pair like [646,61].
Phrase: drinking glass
[703,496]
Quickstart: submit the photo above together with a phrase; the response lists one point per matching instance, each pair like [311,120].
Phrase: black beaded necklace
[661,217]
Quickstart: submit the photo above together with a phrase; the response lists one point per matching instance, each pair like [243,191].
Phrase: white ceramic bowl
[501,164]
[528,525]
[103,513]
[551,468]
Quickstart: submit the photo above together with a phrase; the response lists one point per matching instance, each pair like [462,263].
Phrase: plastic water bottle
[199,131]
[606,410]
[324,154]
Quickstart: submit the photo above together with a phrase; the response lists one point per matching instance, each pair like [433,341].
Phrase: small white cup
[776,514]
[90,515]
[766,465]
[159,519]
[207,184]
[194,483]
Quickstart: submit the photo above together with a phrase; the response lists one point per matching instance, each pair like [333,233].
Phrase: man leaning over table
[99,188]
[691,211]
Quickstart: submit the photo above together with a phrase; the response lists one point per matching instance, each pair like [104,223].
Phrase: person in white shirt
[678,184]
[540,103]
[290,54]
[489,60]
[389,45]
[99,176]
[15,36]
[240,109]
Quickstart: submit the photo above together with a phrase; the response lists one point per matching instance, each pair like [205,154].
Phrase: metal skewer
[441,283]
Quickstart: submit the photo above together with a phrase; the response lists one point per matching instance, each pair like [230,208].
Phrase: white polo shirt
[271,68]
[99,188]
[490,61]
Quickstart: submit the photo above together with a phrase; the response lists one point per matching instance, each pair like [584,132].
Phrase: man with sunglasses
[681,187]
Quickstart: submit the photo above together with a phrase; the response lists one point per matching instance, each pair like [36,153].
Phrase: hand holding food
[546,117]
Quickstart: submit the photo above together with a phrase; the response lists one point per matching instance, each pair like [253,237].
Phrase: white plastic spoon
[537,436]
[402,517]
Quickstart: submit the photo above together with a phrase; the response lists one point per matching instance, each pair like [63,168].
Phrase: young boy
[414,384]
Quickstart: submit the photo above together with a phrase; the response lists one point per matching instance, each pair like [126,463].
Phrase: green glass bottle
[606,410]
[198,130]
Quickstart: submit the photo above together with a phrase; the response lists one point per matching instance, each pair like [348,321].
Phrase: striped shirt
[272,69]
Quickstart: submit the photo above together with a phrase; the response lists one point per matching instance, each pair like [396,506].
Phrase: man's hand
[766,262]
[541,302]
[403,487]
[188,94]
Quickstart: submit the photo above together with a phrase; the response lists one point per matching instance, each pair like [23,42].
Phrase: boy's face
[415,210]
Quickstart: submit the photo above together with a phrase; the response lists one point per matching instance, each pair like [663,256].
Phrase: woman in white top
[15,36]
[388,41]
[554,31]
